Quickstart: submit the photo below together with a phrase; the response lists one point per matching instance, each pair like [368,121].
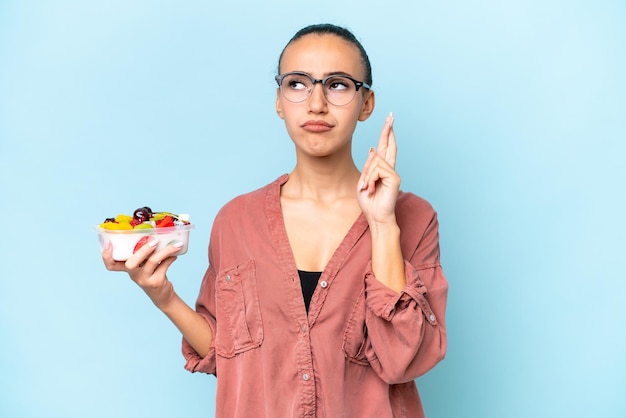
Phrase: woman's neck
[320,181]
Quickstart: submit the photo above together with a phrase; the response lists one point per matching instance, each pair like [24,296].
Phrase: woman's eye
[296,85]
[338,84]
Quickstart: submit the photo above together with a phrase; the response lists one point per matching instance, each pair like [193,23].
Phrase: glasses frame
[358,84]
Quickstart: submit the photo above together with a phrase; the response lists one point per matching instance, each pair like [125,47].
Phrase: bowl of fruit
[127,233]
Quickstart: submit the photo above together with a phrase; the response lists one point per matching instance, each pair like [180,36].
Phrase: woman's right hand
[148,269]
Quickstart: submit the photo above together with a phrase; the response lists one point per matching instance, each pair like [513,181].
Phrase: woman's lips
[316,126]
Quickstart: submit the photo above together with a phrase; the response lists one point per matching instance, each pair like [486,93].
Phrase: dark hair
[330,29]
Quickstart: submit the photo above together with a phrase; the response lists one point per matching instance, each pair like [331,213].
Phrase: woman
[324,296]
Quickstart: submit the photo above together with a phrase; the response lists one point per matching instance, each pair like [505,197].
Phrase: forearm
[387,259]
[192,325]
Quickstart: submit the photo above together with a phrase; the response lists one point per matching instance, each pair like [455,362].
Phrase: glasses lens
[339,90]
[295,87]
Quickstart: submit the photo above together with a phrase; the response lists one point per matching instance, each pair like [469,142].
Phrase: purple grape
[143,214]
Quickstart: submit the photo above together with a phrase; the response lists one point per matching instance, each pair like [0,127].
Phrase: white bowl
[124,241]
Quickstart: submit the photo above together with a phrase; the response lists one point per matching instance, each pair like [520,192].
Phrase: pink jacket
[361,346]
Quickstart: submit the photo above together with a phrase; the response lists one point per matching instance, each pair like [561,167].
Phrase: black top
[308,282]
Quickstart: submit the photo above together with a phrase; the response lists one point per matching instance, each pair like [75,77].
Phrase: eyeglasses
[338,89]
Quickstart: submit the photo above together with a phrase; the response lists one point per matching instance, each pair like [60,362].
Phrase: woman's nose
[317,99]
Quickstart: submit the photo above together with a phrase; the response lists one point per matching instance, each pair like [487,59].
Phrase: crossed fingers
[386,150]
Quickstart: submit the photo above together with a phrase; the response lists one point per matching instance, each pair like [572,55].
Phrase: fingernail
[176,244]
[362,185]
[153,242]
[371,149]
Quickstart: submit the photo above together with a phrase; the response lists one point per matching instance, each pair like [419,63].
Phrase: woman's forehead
[320,55]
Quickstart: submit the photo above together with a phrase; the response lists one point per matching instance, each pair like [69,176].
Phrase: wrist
[169,305]
[164,298]
[388,228]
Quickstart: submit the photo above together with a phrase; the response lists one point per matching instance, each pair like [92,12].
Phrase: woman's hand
[379,183]
[148,269]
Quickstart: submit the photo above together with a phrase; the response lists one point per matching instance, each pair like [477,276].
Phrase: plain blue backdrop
[511,121]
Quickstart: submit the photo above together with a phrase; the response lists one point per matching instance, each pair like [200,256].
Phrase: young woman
[324,295]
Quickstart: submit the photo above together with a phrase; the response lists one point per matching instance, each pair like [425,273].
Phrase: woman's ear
[368,106]
[279,109]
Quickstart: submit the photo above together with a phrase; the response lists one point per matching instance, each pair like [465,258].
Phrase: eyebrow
[325,74]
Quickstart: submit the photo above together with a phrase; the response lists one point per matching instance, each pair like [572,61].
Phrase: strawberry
[165,222]
[143,241]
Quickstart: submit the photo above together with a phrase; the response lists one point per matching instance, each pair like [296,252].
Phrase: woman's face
[317,127]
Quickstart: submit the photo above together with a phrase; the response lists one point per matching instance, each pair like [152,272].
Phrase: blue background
[511,121]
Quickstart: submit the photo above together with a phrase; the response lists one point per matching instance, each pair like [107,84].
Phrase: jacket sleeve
[205,306]
[406,331]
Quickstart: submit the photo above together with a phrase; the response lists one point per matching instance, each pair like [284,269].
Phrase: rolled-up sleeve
[204,306]
[406,330]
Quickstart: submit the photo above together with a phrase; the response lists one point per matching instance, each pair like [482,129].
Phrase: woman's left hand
[379,183]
